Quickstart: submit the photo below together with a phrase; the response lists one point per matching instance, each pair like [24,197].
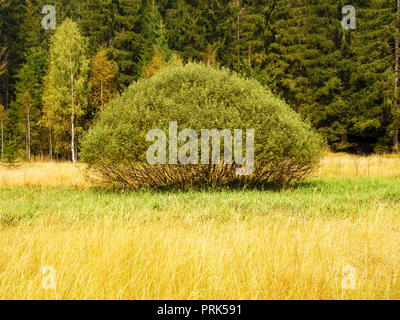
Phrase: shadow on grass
[305,184]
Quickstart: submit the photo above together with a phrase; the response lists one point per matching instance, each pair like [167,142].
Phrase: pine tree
[11,17]
[301,61]
[192,27]
[373,87]
[65,91]
[114,25]
[29,88]
[184,31]
[30,34]
[345,82]
[3,56]
[153,35]
[125,49]
[99,23]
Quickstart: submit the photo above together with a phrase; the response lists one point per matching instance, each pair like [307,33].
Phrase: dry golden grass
[201,246]
[283,258]
[344,165]
[43,174]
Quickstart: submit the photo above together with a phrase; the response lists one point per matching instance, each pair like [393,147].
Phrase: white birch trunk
[73,149]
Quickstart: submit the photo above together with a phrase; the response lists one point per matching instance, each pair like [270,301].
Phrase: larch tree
[155,64]
[102,80]
[3,61]
[66,81]
[210,57]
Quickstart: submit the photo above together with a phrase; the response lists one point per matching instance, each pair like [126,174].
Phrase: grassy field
[297,243]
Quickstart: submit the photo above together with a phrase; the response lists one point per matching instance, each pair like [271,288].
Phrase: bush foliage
[198,97]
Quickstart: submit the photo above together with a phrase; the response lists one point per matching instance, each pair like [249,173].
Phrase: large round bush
[198,97]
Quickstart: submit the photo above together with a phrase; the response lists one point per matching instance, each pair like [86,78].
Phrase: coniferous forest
[344,82]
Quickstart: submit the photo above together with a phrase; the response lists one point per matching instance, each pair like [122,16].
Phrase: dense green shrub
[198,97]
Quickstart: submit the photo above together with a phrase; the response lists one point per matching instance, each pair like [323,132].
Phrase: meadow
[296,243]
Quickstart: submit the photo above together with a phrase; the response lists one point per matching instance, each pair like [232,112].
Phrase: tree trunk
[101,94]
[2,140]
[73,149]
[28,140]
[396,85]
[73,137]
[238,37]
[50,146]
[7,92]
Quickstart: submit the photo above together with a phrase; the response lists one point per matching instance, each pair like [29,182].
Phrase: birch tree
[66,81]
